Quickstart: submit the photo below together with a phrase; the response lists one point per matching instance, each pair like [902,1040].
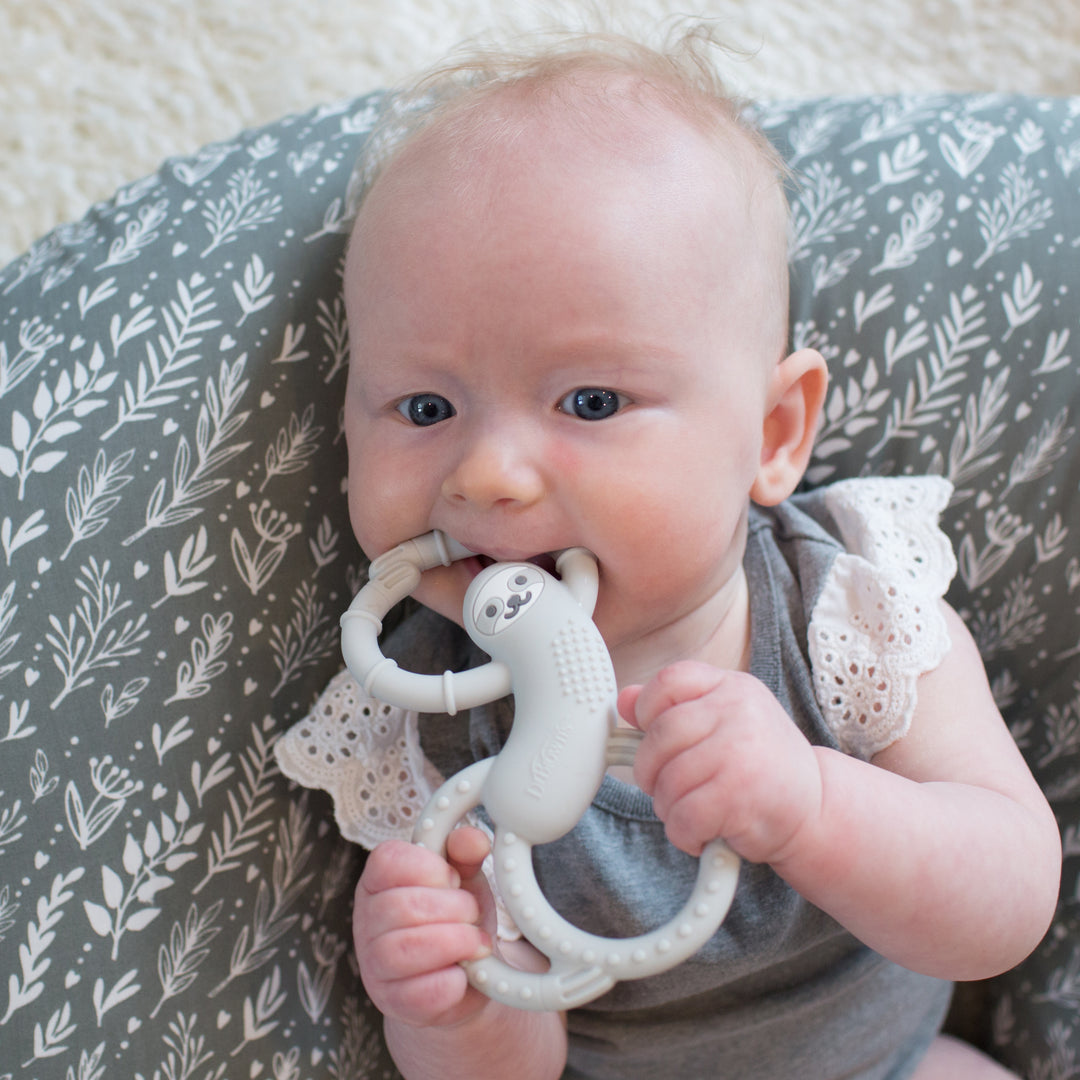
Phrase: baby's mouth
[545,561]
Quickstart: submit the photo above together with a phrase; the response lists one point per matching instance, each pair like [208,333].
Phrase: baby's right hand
[416,917]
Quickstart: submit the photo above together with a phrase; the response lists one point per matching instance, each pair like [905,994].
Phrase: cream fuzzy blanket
[93,94]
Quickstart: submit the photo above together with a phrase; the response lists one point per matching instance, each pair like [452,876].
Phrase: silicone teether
[544,646]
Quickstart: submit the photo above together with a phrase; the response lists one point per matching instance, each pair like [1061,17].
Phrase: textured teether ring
[546,649]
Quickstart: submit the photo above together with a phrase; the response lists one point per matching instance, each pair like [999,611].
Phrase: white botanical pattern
[176,550]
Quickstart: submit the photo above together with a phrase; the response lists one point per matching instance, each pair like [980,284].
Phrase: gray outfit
[781,991]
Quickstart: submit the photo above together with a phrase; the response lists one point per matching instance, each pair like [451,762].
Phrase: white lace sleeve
[367,755]
[877,625]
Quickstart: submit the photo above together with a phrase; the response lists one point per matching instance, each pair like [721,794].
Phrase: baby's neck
[716,633]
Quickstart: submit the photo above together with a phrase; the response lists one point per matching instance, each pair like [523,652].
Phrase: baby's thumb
[466,850]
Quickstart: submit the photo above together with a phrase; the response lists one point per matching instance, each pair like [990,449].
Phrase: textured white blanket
[96,94]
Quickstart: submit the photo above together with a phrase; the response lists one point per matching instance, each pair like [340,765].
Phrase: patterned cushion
[176,551]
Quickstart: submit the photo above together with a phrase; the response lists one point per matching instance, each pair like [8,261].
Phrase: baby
[567,299]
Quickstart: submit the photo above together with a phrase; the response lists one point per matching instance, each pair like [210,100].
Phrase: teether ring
[545,647]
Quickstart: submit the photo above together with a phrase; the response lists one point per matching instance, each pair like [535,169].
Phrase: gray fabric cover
[174,551]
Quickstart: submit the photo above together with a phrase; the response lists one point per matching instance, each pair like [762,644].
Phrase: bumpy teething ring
[546,648]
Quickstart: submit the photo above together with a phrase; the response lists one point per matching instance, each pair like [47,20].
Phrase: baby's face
[557,345]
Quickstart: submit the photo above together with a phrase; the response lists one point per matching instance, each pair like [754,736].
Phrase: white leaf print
[158,380]
[274,532]
[1016,213]
[25,988]
[252,293]
[247,205]
[218,422]
[90,641]
[139,233]
[193,679]
[294,446]
[1021,306]
[36,339]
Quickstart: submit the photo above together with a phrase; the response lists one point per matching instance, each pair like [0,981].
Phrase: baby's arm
[416,917]
[941,854]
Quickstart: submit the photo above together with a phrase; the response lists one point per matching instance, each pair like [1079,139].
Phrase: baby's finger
[671,686]
[627,703]
[418,950]
[410,906]
[438,998]
[466,850]
[396,864]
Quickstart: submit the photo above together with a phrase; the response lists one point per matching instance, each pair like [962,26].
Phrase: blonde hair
[553,68]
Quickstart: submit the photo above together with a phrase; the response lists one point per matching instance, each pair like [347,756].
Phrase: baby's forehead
[593,127]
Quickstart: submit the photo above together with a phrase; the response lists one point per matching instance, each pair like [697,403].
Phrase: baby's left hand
[721,758]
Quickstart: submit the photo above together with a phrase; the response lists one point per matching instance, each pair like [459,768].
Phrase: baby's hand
[416,917]
[721,758]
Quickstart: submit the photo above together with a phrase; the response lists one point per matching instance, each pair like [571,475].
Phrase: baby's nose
[493,472]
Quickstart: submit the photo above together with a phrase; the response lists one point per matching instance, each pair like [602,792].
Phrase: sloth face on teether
[502,594]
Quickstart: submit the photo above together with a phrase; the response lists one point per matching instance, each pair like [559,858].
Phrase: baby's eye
[592,403]
[426,409]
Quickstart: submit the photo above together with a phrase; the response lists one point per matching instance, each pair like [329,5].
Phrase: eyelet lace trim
[367,755]
[877,625]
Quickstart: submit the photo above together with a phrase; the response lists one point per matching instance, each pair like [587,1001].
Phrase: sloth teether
[546,649]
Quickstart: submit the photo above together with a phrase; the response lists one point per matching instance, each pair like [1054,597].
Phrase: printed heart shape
[858,166]
[993,358]
[197,280]
[267,399]
[911,313]
[242,489]
[255,1070]
[250,686]
[307,922]
[983,500]
[72,978]
[228,342]
[955,256]
[141,570]
[268,723]
[188,205]
[927,444]
[1023,411]
[31,676]
[963,202]
[135,300]
[894,204]
[159,792]
[170,427]
[43,564]
[77,342]
[179,248]
[213,745]
[316,1056]
[254,628]
[252,873]
[133,1025]
[969,294]
[40,860]
[181,624]
[223,1018]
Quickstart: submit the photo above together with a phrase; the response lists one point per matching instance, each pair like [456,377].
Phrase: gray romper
[781,991]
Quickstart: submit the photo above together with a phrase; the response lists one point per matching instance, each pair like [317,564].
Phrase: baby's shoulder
[875,565]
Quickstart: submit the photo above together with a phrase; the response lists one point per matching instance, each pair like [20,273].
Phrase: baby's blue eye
[592,403]
[426,409]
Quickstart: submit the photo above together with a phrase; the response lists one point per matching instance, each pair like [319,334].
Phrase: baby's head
[567,301]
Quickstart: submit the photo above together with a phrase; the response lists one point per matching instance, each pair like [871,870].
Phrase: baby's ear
[795,398]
